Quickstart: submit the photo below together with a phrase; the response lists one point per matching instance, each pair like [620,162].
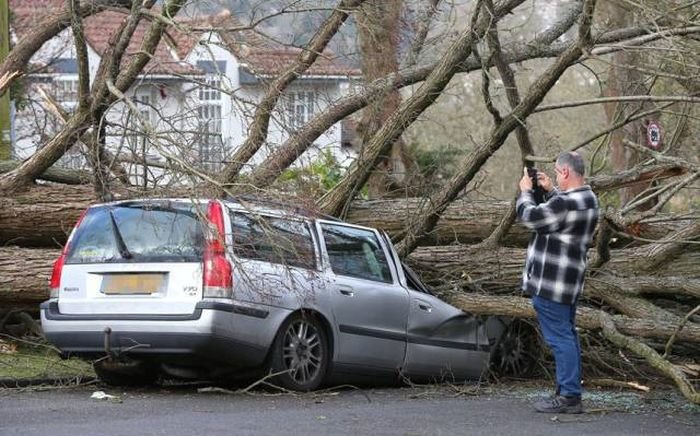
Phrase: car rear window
[139,232]
[272,239]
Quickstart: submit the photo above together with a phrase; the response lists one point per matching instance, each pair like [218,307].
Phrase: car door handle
[425,306]
[346,290]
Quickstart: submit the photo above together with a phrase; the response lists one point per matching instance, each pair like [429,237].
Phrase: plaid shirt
[562,230]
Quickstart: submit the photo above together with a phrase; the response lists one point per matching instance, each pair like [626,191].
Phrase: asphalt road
[433,410]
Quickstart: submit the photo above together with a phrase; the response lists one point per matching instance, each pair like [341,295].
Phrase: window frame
[327,258]
[211,151]
[299,107]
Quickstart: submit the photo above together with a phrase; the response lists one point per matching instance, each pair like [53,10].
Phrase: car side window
[356,253]
[272,239]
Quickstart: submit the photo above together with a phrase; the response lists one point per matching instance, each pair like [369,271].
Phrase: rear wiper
[121,246]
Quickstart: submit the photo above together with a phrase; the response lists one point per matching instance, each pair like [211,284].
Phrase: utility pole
[5,140]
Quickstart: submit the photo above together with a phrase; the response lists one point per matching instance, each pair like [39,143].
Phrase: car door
[369,305]
[442,341]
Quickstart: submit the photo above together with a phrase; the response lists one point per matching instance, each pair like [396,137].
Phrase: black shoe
[559,404]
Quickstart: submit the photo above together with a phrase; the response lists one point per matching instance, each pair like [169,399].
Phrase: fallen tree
[44,215]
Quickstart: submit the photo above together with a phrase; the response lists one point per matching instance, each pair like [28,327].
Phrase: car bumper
[207,333]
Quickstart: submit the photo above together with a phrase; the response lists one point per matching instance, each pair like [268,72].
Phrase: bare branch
[428,217]
[81,119]
[18,59]
[626,98]
[257,131]
[269,170]
[422,32]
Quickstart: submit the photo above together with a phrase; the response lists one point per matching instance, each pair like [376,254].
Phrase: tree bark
[378,35]
[24,277]
[42,216]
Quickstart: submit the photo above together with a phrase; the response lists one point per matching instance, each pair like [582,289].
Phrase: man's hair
[572,160]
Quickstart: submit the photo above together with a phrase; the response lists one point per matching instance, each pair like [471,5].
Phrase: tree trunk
[622,81]
[587,318]
[378,34]
[24,277]
[43,216]
[468,267]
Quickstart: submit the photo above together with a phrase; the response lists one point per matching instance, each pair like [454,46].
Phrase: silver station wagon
[212,288]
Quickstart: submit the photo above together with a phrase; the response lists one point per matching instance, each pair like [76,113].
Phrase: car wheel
[125,373]
[516,351]
[300,353]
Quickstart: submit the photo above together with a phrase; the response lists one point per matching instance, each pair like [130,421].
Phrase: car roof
[241,203]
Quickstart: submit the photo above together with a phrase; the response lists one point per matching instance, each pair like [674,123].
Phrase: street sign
[654,135]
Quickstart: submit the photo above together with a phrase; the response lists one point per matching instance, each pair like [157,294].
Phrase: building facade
[191,106]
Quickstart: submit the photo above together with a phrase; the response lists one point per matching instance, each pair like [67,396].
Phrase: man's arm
[547,217]
[544,218]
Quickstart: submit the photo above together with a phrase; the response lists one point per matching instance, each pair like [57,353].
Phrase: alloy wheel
[302,352]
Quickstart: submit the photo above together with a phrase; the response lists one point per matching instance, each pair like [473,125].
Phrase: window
[211,91]
[300,108]
[272,239]
[160,231]
[356,253]
[65,90]
[211,144]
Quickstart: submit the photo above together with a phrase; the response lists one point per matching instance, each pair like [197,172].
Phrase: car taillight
[217,280]
[55,281]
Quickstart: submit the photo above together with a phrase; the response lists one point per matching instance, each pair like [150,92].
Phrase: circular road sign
[654,135]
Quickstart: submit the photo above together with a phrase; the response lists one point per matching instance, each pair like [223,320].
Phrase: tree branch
[258,129]
[18,59]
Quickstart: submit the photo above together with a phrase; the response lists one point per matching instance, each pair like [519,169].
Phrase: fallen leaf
[101,395]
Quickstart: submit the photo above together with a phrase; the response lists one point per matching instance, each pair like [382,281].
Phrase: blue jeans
[558,325]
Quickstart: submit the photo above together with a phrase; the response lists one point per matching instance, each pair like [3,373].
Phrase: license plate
[132,284]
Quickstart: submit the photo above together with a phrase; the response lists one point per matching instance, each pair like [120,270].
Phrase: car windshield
[138,232]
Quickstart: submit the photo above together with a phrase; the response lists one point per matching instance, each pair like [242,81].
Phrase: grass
[22,361]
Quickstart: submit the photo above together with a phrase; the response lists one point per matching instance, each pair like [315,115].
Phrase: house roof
[258,56]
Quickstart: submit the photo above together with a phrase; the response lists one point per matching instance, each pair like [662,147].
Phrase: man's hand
[525,183]
[544,181]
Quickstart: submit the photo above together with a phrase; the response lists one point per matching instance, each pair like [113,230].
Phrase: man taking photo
[555,267]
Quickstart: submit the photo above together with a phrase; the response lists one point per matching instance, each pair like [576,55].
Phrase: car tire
[517,350]
[125,373]
[300,353]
